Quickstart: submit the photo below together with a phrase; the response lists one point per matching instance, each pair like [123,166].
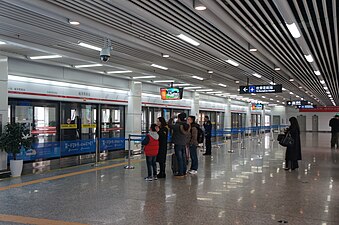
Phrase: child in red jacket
[151,149]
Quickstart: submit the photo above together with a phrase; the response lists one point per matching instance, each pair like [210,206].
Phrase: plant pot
[3,160]
[16,167]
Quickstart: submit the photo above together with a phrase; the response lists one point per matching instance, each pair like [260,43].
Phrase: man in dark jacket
[208,135]
[334,124]
[179,138]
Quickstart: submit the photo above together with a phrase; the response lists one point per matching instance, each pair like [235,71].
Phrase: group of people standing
[185,133]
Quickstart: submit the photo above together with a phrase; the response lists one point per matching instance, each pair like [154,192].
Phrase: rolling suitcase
[174,164]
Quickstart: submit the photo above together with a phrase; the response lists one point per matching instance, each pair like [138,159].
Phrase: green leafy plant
[14,137]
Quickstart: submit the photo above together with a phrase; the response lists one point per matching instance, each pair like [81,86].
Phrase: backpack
[200,137]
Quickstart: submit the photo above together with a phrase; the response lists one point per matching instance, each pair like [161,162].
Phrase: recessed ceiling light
[291,93]
[2,43]
[238,89]
[297,96]
[271,99]
[198,5]
[230,61]
[291,79]
[88,65]
[277,68]
[322,82]
[188,88]
[284,89]
[237,82]
[163,81]
[46,57]
[198,78]
[121,71]
[300,87]
[293,30]
[188,39]
[327,92]
[329,95]
[253,94]
[144,77]
[159,67]
[317,72]
[263,96]
[73,22]
[309,58]
[205,90]
[326,88]
[165,55]
[209,71]
[222,85]
[256,75]
[89,46]
[181,85]
[252,49]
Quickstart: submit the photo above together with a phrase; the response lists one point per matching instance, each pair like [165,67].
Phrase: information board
[260,89]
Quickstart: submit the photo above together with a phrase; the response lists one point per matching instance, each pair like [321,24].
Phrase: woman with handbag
[293,151]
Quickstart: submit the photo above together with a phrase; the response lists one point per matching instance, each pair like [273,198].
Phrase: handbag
[287,140]
[281,137]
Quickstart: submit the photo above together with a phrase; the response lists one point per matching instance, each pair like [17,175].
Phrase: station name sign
[260,89]
[296,103]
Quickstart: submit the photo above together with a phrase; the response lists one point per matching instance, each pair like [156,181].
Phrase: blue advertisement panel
[107,144]
[77,147]
[39,151]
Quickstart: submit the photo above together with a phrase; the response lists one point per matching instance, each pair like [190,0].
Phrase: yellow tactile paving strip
[34,221]
[65,175]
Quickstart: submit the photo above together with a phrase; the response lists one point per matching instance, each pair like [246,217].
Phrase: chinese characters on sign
[260,89]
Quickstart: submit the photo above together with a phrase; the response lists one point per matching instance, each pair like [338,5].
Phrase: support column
[3,104]
[248,117]
[227,118]
[195,105]
[133,116]
[263,117]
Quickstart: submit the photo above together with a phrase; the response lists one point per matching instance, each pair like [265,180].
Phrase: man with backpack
[193,143]
[179,138]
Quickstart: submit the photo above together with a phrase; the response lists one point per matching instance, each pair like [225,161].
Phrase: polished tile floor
[248,186]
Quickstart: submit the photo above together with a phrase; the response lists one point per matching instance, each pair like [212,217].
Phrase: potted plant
[14,137]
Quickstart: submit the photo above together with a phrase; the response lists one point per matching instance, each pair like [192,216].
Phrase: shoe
[286,168]
[206,154]
[155,178]
[193,172]
[179,175]
[161,175]
[148,179]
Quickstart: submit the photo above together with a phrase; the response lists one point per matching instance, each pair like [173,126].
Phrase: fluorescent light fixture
[163,81]
[291,93]
[121,71]
[181,85]
[327,92]
[326,88]
[188,88]
[46,57]
[2,43]
[73,22]
[256,75]
[293,30]
[284,89]
[253,94]
[278,101]
[222,85]
[165,55]
[89,46]
[300,87]
[209,71]
[252,49]
[214,92]
[234,63]
[159,67]
[144,77]
[329,95]
[277,68]
[297,96]
[137,82]
[205,90]
[322,82]
[271,99]
[263,96]
[88,65]
[309,58]
[283,103]
[198,5]
[237,82]
[198,78]
[188,39]
[317,72]
[291,79]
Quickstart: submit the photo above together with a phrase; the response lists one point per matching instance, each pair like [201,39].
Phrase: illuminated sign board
[296,103]
[257,106]
[171,93]
[260,89]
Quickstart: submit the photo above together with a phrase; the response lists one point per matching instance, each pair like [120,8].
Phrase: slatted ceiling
[317,23]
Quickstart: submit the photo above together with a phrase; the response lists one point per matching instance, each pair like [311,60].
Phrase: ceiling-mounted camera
[105,54]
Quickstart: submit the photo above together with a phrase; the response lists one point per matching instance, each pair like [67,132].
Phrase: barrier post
[97,152]
[272,134]
[243,138]
[230,150]
[259,136]
[129,154]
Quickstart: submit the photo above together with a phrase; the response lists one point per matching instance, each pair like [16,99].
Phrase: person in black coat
[208,135]
[161,157]
[334,124]
[293,152]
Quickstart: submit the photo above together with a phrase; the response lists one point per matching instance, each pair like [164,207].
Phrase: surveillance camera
[105,53]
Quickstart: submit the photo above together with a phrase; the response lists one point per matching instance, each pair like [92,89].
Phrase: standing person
[334,124]
[293,152]
[193,143]
[208,135]
[162,130]
[179,138]
[151,144]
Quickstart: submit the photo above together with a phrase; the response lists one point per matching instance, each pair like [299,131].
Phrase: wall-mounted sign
[296,103]
[68,126]
[257,106]
[260,89]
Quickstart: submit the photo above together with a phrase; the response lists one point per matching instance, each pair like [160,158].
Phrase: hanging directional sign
[260,89]
[296,103]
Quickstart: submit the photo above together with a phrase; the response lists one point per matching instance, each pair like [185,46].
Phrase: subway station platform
[248,186]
